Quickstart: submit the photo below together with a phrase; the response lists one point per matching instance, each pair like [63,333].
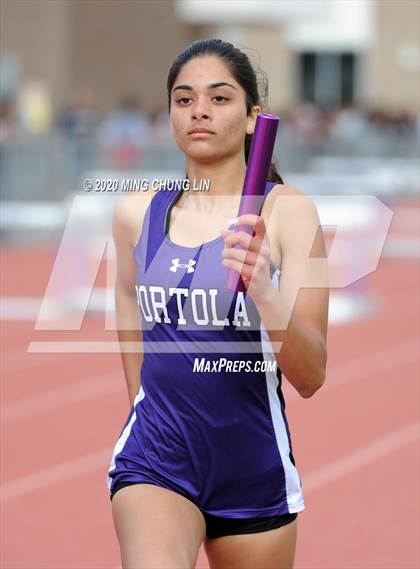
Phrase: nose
[200,109]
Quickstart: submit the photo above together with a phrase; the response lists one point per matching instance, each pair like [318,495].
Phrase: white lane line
[83,390]
[20,307]
[374,451]
[363,368]
[101,459]
[56,474]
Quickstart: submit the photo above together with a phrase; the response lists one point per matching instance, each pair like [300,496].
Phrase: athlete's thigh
[156,528]
[272,549]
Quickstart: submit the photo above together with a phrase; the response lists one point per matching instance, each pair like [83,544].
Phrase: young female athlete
[205,454]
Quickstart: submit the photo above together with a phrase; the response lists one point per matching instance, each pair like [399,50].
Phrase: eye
[183,99]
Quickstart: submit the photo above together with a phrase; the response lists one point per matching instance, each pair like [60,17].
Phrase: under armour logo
[189,266]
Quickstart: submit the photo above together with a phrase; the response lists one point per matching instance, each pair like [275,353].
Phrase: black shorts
[218,526]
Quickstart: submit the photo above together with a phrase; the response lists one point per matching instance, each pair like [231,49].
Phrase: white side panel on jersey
[294,492]
[124,435]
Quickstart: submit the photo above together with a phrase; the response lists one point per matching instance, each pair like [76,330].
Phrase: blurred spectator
[35,107]
[348,123]
[308,121]
[161,127]
[78,124]
[125,134]
[11,130]
[162,151]
[79,120]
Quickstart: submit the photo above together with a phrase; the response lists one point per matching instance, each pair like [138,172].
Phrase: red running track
[355,442]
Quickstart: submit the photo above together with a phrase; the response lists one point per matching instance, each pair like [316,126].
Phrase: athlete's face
[200,101]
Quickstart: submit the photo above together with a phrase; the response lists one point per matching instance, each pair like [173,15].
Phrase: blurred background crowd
[93,98]
[83,137]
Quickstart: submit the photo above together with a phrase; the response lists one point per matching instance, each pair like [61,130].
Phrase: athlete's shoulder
[128,215]
[283,190]
[129,206]
[275,199]
[290,210]
[292,199]
[295,214]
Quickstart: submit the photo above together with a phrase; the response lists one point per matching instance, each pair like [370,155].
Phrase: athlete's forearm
[131,362]
[302,358]
[130,338]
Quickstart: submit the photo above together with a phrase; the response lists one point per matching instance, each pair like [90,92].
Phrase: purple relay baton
[258,165]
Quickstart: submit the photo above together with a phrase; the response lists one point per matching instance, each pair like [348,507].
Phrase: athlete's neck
[226,178]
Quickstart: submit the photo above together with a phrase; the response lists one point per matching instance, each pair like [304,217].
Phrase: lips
[201,131]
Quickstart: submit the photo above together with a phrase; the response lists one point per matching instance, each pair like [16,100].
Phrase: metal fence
[50,166]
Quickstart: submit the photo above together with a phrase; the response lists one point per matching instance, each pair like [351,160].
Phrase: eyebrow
[211,86]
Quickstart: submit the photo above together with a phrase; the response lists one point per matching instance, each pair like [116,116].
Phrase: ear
[251,119]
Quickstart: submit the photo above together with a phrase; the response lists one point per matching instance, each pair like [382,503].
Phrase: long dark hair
[241,69]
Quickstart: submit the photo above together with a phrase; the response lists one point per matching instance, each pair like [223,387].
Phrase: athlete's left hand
[252,259]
